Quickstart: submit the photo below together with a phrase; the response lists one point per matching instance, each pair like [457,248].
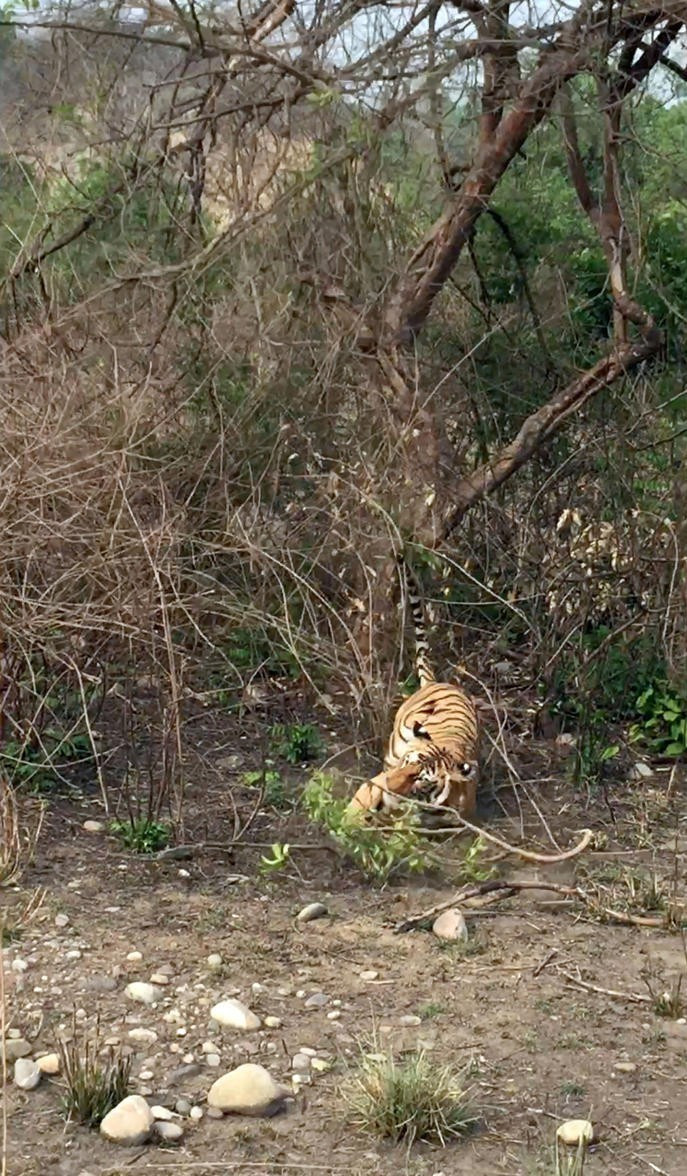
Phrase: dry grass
[414,1099]
[20,829]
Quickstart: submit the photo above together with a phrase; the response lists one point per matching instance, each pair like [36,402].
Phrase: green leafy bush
[662,726]
[377,850]
[141,834]
[297,743]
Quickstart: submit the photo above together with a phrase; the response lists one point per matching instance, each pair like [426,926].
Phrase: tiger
[432,754]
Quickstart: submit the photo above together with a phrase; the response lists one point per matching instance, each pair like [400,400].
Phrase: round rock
[168,1132]
[317,1001]
[129,1123]
[26,1074]
[49,1064]
[575,1131]
[233,1014]
[248,1090]
[16,1048]
[144,993]
[450,926]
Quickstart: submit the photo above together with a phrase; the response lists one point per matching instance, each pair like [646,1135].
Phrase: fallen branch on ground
[530,855]
[506,888]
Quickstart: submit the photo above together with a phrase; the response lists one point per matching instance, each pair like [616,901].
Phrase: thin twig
[632,997]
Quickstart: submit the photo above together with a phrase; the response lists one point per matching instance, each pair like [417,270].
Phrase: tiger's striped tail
[423,666]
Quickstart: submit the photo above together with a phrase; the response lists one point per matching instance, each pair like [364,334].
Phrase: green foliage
[36,763]
[662,725]
[297,743]
[377,850]
[280,857]
[142,835]
[92,1086]
[472,868]
[411,1100]
[273,787]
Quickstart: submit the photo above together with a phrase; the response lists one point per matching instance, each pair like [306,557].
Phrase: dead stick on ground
[507,888]
[632,997]
[529,855]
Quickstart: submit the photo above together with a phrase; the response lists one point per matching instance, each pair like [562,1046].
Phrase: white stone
[574,1131]
[214,961]
[320,1064]
[314,910]
[49,1063]
[234,1015]
[450,926]
[409,1019]
[19,965]
[146,1036]
[129,1123]
[74,954]
[159,978]
[93,826]
[334,1015]
[213,1060]
[317,1001]
[26,1074]
[248,1090]
[301,1063]
[368,975]
[161,1113]
[196,1113]
[134,956]
[61,920]
[144,993]
[272,1022]
[640,771]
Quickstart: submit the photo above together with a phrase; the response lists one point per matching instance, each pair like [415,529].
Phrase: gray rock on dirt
[129,1123]
[450,926]
[16,1048]
[248,1090]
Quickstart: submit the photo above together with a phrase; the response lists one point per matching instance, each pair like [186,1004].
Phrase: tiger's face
[449,785]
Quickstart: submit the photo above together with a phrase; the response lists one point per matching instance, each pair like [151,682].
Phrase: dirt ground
[542,1048]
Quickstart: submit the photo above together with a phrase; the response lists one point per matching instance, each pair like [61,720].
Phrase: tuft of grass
[92,1086]
[142,835]
[409,1100]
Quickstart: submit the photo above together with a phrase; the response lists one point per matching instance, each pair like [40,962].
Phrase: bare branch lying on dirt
[631,997]
[506,888]
[529,855]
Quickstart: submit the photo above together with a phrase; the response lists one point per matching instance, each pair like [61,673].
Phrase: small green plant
[273,787]
[92,1087]
[141,834]
[298,743]
[572,1089]
[409,1100]
[280,857]
[378,850]
[472,868]
[662,726]
[431,1010]
[36,765]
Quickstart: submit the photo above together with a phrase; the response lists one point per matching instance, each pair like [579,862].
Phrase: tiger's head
[439,782]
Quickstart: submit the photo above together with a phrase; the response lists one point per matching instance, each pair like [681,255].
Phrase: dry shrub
[20,827]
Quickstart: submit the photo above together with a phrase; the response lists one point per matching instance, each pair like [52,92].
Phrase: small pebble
[16,1048]
[272,1022]
[19,965]
[93,826]
[625,1067]
[182,1106]
[334,1015]
[214,961]
[370,975]
[301,1063]
[146,1075]
[321,1065]
[196,1113]
[159,978]
[409,1019]
[213,1060]
[61,920]
[74,954]
[134,957]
